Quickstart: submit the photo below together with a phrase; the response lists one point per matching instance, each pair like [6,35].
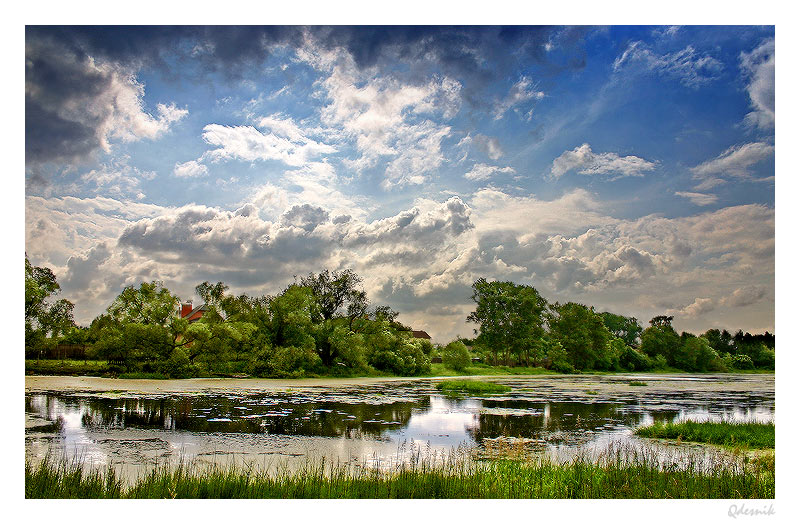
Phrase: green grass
[637,383]
[66,367]
[471,386]
[636,477]
[748,435]
[441,370]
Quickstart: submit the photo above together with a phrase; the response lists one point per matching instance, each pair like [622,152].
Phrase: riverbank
[584,386]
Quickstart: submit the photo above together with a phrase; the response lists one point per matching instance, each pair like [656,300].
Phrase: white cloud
[586,162]
[696,309]
[759,67]
[698,199]
[746,296]
[190,169]
[481,172]
[248,144]
[521,92]
[736,161]
[687,65]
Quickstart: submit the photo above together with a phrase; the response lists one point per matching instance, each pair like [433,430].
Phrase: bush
[176,366]
[402,357]
[295,361]
[634,360]
[563,366]
[456,355]
[742,362]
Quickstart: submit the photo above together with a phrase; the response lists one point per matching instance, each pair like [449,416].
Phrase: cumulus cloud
[698,199]
[745,296]
[249,144]
[688,66]
[696,309]
[481,172]
[586,162]
[759,67]
[736,161]
[190,169]
[76,104]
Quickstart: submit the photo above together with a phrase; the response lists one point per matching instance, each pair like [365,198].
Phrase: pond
[367,423]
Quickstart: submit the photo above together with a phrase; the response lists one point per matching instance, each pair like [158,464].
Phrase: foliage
[634,360]
[456,355]
[44,320]
[581,333]
[661,339]
[626,328]
[742,362]
[510,319]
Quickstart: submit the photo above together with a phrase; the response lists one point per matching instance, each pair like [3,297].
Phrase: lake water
[373,424]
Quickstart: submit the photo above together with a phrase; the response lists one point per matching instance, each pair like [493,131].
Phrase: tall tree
[43,318]
[335,291]
[510,318]
[626,328]
[661,339]
[581,333]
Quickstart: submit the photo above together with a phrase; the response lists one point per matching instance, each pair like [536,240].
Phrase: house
[190,313]
[420,334]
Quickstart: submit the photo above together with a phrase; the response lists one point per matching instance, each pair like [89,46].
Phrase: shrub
[177,365]
[634,360]
[742,362]
[456,355]
[295,361]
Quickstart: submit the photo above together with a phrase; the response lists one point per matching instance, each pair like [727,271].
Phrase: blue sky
[626,167]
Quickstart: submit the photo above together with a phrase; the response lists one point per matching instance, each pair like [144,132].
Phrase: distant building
[190,313]
[420,334]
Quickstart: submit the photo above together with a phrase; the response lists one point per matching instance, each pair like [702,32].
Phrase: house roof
[195,313]
[420,334]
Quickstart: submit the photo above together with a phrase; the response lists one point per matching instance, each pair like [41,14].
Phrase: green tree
[661,339]
[626,328]
[456,356]
[510,319]
[44,319]
[581,333]
[336,293]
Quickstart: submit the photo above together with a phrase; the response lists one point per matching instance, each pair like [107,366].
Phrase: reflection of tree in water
[242,415]
[546,418]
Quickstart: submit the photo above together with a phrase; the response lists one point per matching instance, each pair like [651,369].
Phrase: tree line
[517,326]
[323,324]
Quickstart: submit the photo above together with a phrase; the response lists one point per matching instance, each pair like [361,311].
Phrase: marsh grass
[618,474]
[746,435]
[471,386]
[637,383]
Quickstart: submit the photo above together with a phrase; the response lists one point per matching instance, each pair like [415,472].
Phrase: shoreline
[41,383]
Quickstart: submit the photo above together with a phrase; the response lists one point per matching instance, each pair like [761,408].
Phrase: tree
[510,318]
[661,339]
[150,304]
[456,356]
[334,291]
[581,333]
[42,318]
[626,328]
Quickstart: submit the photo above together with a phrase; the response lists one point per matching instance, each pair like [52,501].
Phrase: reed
[749,435]
[617,474]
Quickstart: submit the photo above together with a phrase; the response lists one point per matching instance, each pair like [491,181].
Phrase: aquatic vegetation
[637,383]
[618,474]
[737,434]
[471,386]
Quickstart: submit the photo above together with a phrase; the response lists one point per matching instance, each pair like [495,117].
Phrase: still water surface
[373,424]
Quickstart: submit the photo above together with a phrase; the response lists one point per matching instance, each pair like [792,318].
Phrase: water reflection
[356,425]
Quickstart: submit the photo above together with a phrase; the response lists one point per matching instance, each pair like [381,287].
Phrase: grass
[66,367]
[747,435]
[637,383]
[471,386]
[639,476]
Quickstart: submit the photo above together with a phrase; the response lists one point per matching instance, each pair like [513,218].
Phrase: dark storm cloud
[68,67]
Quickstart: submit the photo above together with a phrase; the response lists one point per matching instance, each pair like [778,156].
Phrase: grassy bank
[748,435]
[637,478]
[68,367]
[471,386]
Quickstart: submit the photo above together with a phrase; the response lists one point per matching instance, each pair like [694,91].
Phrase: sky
[630,168]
